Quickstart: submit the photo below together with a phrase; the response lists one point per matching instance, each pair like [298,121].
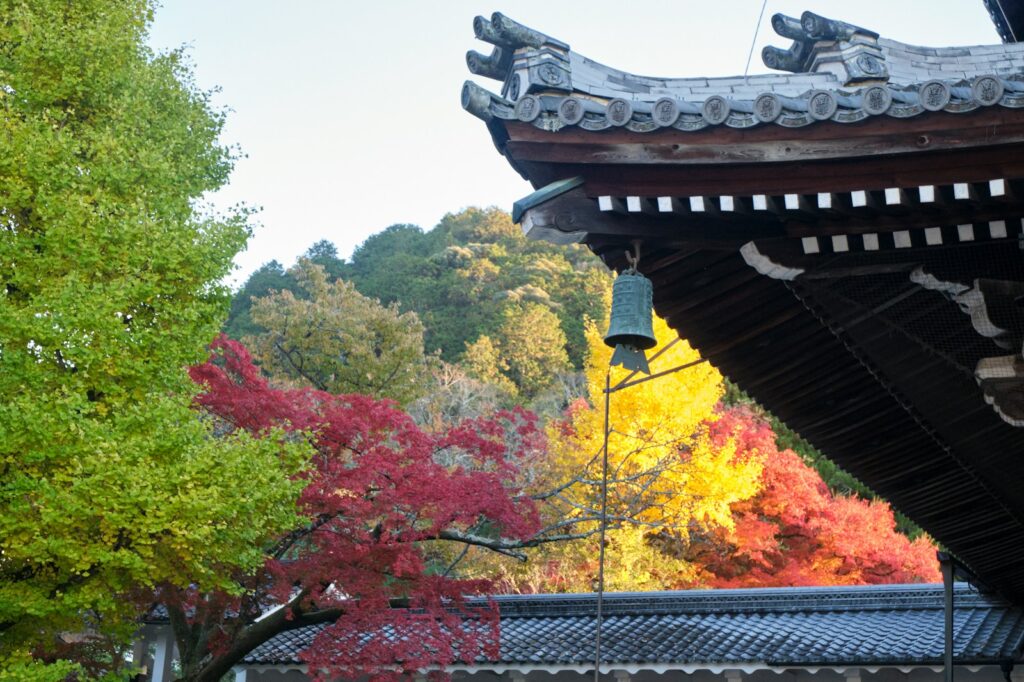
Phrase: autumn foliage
[701,496]
[378,491]
[796,532]
[667,479]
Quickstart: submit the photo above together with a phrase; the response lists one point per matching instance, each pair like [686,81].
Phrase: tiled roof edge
[549,630]
[839,72]
[554,111]
[788,599]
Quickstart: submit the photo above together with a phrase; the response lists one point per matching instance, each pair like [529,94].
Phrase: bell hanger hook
[633,258]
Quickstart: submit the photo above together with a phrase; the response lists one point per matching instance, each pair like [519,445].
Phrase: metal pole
[946,563]
[604,526]
[626,384]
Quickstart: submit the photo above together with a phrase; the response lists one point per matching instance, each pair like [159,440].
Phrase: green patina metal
[545,193]
[630,329]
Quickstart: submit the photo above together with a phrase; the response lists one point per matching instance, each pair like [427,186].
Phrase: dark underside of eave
[1008,16]
[881,401]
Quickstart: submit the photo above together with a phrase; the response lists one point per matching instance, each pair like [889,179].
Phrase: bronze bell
[630,330]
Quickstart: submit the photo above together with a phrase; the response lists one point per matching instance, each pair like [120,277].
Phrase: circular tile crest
[715,109]
[767,107]
[821,105]
[987,90]
[876,100]
[619,112]
[665,112]
[528,108]
[934,95]
[570,111]
[550,73]
[809,23]
[869,65]
[513,86]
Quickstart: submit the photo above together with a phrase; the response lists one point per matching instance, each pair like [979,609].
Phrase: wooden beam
[702,204]
[863,199]
[621,172]
[574,212]
[669,205]
[636,204]
[882,221]
[610,204]
[720,145]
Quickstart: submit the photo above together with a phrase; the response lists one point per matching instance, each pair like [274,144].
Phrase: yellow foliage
[666,478]
[662,468]
[632,563]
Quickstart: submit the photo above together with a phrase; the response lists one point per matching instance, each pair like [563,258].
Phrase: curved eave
[841,74]
[761,231]
[1008,17]
[553,112]
[875,154]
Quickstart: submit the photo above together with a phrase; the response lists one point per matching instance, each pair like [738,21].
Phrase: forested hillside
[477,285]
[469,317]
[464,278]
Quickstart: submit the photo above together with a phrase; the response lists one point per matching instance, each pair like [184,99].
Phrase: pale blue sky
[349,112]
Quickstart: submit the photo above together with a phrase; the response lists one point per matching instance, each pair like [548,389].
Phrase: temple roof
[836,71]
[861,279]
[862,626]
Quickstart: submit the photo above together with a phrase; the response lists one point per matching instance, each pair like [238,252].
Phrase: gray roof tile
[846,62]
[874,625]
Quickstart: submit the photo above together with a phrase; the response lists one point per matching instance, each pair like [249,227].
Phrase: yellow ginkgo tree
[666,480]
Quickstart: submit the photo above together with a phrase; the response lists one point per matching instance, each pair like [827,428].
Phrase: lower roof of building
[892,625]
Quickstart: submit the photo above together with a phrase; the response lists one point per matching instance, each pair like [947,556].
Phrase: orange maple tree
[796,532]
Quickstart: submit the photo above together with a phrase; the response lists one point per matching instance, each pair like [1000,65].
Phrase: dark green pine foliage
[268,278]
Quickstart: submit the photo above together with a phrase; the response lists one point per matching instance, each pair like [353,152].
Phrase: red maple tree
[796,532]
[378,492]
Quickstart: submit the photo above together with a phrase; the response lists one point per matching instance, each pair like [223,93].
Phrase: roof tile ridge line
[748,604]
[550,120]
[937,48]
[743,593]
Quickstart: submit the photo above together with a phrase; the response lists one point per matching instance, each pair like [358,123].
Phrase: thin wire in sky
[757,27]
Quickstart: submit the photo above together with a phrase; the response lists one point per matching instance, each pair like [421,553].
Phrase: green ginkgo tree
[109,481]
